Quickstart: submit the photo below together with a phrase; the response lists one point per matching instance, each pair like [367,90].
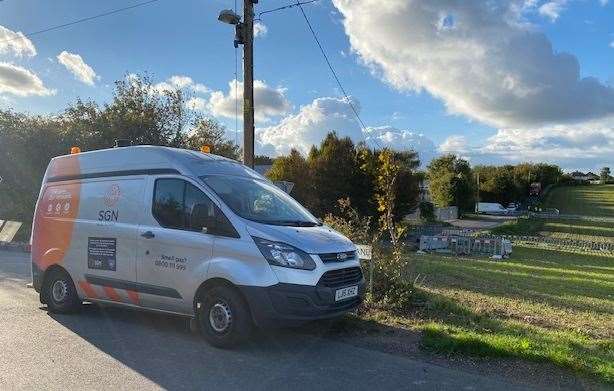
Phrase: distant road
[104,348]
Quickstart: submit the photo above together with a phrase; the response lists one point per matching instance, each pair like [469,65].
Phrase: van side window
[180,205]
[168,203]
[199,210]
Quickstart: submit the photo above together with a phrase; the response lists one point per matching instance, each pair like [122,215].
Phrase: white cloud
[309,126]
[198,104]
[314,121]
[15,43]
[612,44]
[260,30]
[19,81]
[591,143]
[268,101]
[75,65]
[456,144]
[176,82]
[552,9]
[400,140]
[482,59]
[585,146]
[603,2]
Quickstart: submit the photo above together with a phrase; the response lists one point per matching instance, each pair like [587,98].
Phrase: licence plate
[346,293]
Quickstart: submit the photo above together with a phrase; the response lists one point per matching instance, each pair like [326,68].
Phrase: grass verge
[539,305]
[590,200]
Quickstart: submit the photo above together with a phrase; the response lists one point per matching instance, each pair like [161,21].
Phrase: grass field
[540,305]
[591,231]
[591,200]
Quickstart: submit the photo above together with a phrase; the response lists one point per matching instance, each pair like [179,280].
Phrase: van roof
[144,158]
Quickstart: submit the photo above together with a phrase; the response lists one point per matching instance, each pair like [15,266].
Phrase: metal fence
[466,245]
[564,243]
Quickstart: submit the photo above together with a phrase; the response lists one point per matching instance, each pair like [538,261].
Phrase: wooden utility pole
[248,83]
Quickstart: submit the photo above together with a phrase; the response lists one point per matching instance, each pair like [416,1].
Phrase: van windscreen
[259,201]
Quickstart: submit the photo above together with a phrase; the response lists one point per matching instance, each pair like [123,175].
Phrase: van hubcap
[220,317]
[59,291]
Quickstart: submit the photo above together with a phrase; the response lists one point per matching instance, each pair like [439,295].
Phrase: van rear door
[172,257]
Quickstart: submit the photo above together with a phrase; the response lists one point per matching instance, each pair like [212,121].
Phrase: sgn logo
[108,215]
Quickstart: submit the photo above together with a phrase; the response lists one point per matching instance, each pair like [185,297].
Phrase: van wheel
[224,317]
[59,293]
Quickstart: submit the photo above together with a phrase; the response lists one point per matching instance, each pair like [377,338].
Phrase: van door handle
[148,235]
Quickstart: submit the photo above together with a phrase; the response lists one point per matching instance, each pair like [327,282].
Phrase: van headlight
[282,254]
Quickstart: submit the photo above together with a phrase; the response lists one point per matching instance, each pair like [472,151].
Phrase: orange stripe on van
[55,215]
[111,293]
[88,289]
[134,297]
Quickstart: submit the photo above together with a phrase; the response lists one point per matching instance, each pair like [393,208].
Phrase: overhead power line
[61,26]
[334,73]
[297,4]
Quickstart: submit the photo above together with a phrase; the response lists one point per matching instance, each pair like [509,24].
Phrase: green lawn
[590,200]
[590,231]
[540,305]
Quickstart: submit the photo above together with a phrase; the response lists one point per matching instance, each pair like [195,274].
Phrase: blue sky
[393,68]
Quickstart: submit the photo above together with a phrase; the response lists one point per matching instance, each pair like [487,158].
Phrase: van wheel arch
[46,274]
[215,282]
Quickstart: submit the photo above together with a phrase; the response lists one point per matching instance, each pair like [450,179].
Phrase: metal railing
[467,245]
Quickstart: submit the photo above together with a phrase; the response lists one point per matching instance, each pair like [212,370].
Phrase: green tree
[141,113]
[398,271]
[451,182]
[294,168]
[208,131]
[548,174]
[27,143]
[263,160]
[406,184]
[605,174]
[497,184]
[336,174]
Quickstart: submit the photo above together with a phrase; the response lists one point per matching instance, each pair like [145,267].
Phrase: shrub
[392,281]
[427,211]
[350,223]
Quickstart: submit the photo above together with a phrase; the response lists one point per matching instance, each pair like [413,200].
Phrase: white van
[186,233]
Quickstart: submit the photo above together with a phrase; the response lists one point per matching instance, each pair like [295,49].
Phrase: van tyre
[224,317]
[59,293]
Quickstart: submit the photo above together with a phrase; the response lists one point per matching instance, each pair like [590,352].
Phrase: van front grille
[338,257]
[341,277]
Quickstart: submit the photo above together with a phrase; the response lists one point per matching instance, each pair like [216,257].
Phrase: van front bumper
[291,304]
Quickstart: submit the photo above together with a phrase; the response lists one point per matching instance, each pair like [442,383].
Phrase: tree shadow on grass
[560,259]
[454,328]
[549,285]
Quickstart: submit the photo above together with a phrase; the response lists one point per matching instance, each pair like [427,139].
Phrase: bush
[350,223]
[427,211]
[392,280]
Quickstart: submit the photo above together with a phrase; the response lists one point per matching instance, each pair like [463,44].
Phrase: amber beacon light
[75,150]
